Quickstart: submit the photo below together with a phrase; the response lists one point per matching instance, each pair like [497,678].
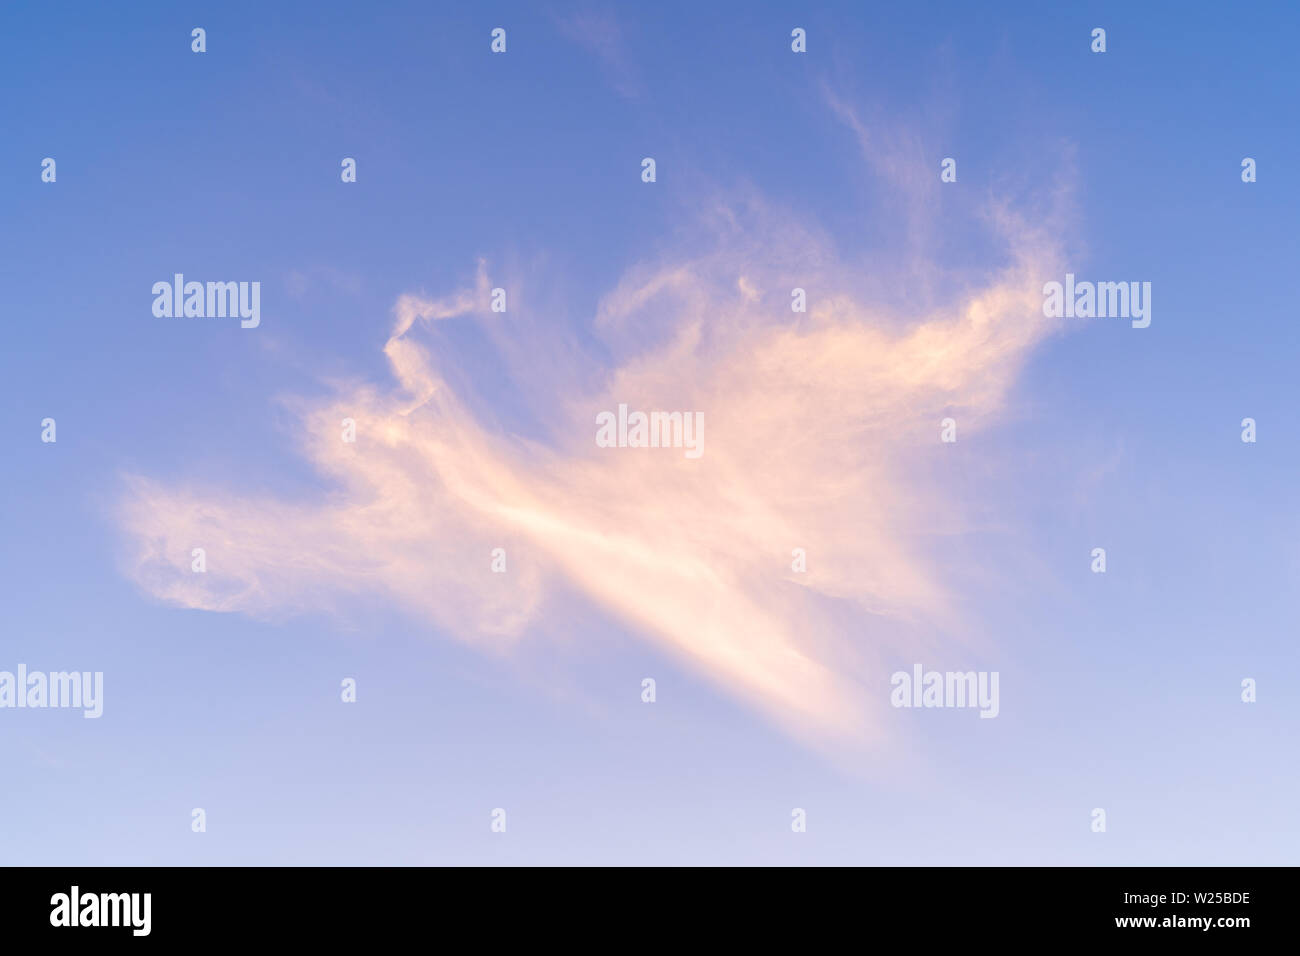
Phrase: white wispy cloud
[822,432]
[598,31]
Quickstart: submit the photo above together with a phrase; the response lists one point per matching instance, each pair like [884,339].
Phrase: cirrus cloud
[821,433]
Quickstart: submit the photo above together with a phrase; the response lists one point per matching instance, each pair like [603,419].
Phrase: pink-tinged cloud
[821,433]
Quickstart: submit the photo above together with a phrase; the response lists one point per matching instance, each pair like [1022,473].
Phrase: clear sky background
[1119,691]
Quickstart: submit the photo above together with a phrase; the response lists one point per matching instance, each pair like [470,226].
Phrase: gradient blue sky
[1118,691]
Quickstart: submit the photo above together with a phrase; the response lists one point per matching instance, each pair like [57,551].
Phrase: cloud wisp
[822,429]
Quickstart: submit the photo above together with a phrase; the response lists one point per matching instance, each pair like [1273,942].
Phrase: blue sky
[1118,691]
